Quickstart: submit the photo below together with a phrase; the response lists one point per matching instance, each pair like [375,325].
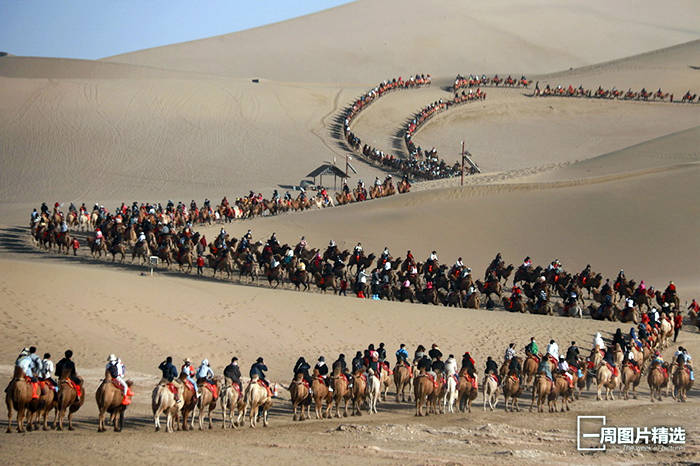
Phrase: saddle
[35,387]
[494,377]
[384,366]
[213,389]
[189,384]
[269,390]
[436,384]
[74,386]
[126,401]
[471,380]
[612,369]
[171,386]
[636,369]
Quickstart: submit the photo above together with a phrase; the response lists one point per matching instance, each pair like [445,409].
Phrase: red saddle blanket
[126,401]
[262,384]
[75,386]
[35,388]
[171,386]
[636,369]
[494,377]
[213,389]
[189,384]
[515,378]
[433,380]
[612,369]
[471,380]
[385,367]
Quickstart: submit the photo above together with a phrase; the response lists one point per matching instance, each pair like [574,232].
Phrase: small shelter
[327,169]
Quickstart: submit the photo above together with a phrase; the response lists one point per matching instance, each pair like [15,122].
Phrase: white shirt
[451,366]
[553,349]
[47,368]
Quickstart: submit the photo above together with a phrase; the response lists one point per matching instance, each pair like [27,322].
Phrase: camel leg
[100,421]
[9,416]
[156,418]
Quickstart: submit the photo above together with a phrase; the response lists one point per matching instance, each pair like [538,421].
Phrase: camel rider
[564,369]
[301,245]
[98,236]
[357,251]
[332,248]
[609,358]
[287,196]
[438,366]
[544,368]
[116,370]
[496,263]
[168,369]
[527,263]
[629,303]
[288,256]
[629,359]
[571,299]
[302,367]
[468,364]
[425,364]
[204,372]
[516,293]
[510,353]
[273,241]
[418,353]
[634,340]
[409,257]
[190,372]
[585,274]
[641,289]
[572,354]
[346,189]
[44,208]
[222,235]
[451,365]
[541,298]
[340,364]
[687,360]
[434,352]
[274,263]
[532,348]
[385,254]
[491,367]
[432,259]
[141,239]
[46,373]
[381,353]
[64,227]
[275,197]
[233,372]
[377,182]
[606,289]
[301,267]
[553,349]
[25,363]
[357,363]
[322,368]
[514,367]
[402,355]
[459,265]
[621,275]
[66,364]
[258,369]
[35,361]
[670,291]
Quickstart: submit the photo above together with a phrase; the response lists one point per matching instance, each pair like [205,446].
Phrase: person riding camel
[542,299]
[258,369]
[168,370]
[516,293]
[510,353]
[332,249]
[25,362]
[357,251]
[585,274]
[496,263]
[46,373]
[204,372]
[66,364]
[621,276]
[544,368]
[468,364]
[527,263]
[116,370]
[419,353]
[434,352]
[190,373]
[322,368]
[233,372]
[98,236]
[563,367]
[553,349]
[402,355]
[670,292]
[346,189]
[573,354]
[531,348]
[301,245]
[302,367]
[385,255]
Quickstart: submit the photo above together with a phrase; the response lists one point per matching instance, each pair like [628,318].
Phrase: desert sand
[607,183]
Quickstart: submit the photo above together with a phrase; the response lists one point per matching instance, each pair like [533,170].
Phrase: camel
[385,379]
[359,393]
[18,395]
[630,379]
[340,393]
[141,251]
[490,391]
[374,390]
[109,399]
[258,397]
[39,408]
[231,401]
[473,301]
[530,370]
[423,388]
[67,399]
[208,396]
[300,397]
[657,379]
[681,383]
[513,305]
[467,390]
[451,393]
[541,389]
[665,333]
[163,402]
[606,380]
[561,390]
[189,401]
[119,248]
[511,391]
[321,394]
[402,380]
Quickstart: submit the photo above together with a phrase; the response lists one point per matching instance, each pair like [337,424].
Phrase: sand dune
[350,44]
[613,184]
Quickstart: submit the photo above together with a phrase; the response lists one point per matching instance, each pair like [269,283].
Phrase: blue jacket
[169,371]
[258,369]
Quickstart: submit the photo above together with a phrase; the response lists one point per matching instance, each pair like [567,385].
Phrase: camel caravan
[431,383]
[549,290]
[418,165]
[613,93]
[484,81]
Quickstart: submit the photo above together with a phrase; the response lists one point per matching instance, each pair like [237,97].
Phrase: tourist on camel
[531,348]
[468,364]
[572,354]
[491,367]
[402,355]
[258,369]
[302,367]
[67,364]
[190,373]
[510,353]
[46,373]
[233,371]
[168,369]
[322,368]
[117,371]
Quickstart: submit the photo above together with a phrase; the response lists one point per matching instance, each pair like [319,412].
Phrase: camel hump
[18,373]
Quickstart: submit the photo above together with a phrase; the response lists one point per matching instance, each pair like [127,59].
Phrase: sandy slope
[607,183]
[366,39]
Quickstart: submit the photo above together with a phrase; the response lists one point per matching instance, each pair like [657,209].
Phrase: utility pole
[462,182]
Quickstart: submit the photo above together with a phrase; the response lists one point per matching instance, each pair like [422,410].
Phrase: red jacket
[678,321]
